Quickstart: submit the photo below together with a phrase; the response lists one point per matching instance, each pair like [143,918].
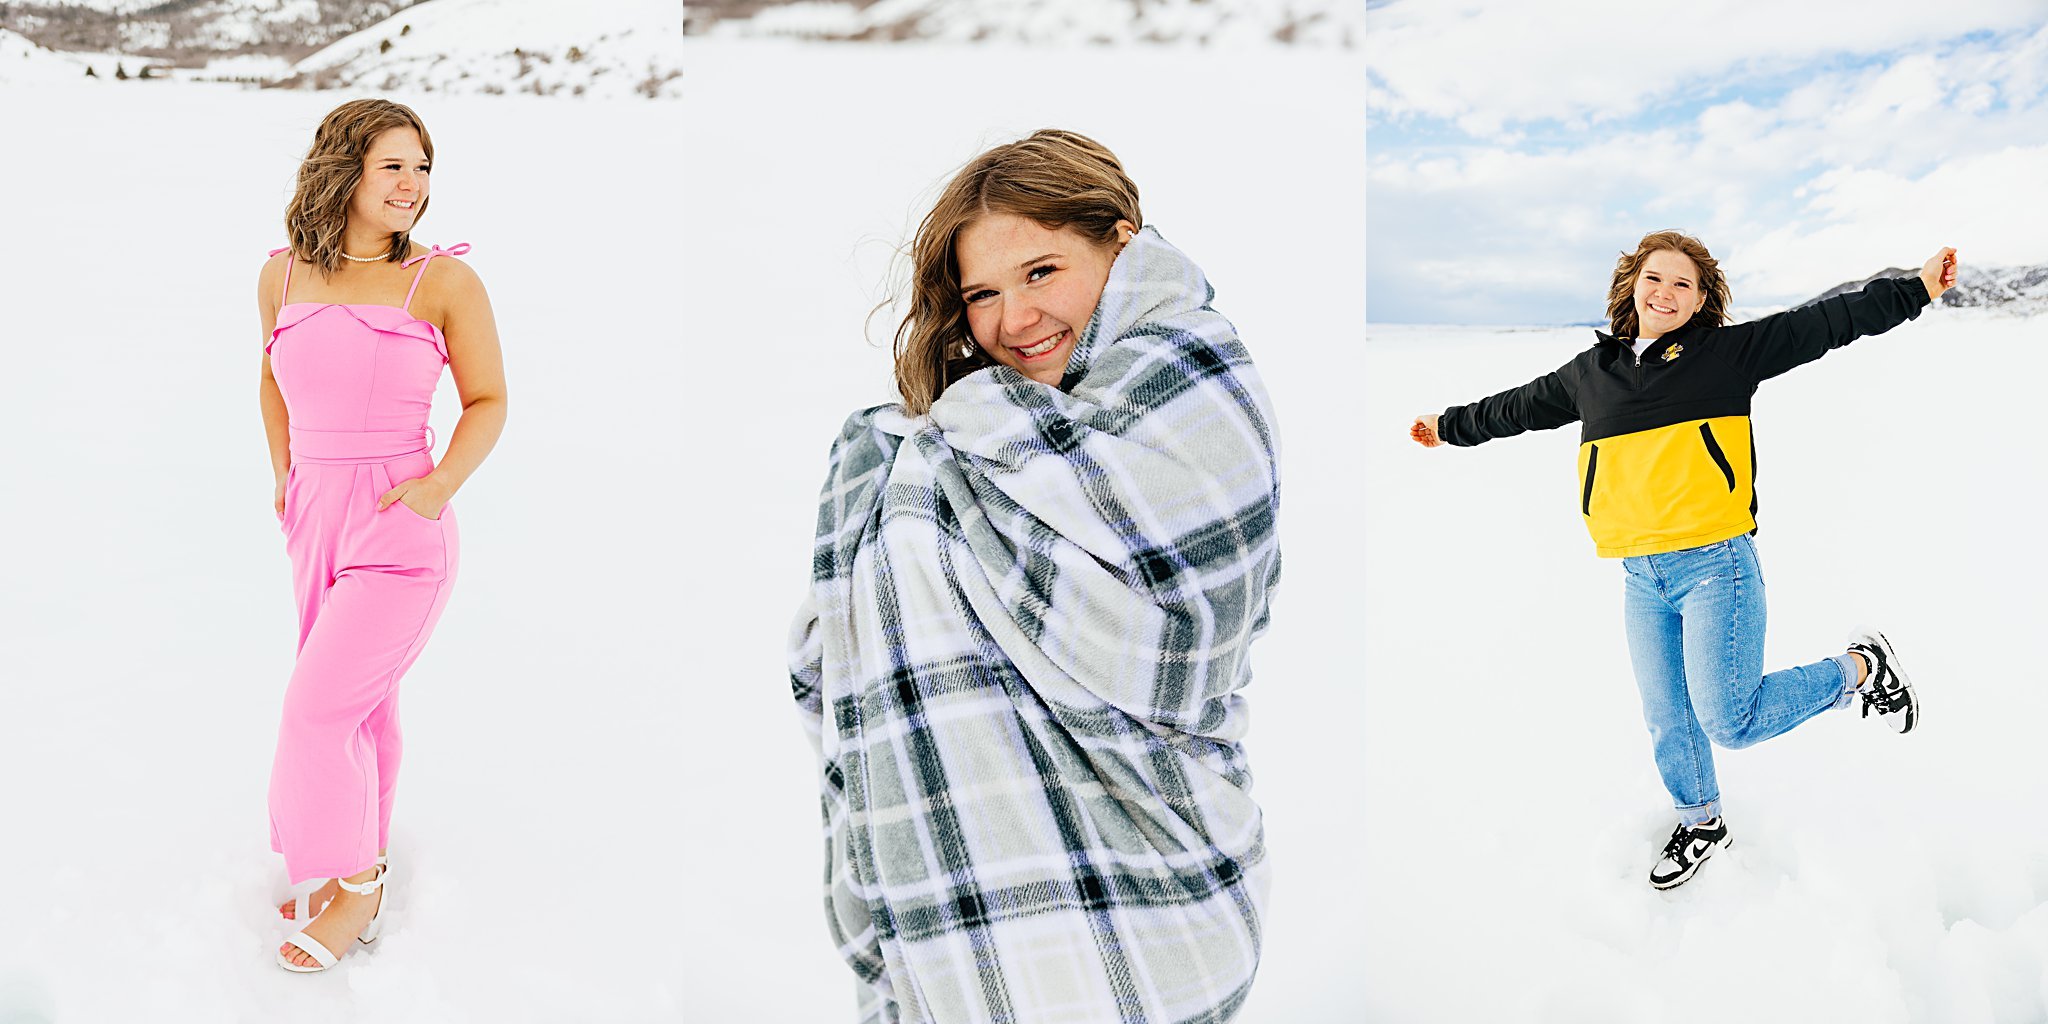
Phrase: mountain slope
[2019,291]
[619,48]
[190,32]
[22,60]
[1333,23]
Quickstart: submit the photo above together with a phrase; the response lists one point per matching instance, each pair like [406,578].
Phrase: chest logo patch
[1672,352]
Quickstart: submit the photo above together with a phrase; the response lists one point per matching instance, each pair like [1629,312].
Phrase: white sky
[1514,149]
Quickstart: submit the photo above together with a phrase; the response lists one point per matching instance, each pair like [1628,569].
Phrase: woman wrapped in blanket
[1667,473]
[1033,591]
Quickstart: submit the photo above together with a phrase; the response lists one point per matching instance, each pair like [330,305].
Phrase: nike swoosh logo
[1700,846]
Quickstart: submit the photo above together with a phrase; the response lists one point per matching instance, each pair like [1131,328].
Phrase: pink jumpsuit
[358,381]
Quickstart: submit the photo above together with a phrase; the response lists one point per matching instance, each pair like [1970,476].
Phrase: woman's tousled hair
[1056,178]
[317,218]
[1621,294]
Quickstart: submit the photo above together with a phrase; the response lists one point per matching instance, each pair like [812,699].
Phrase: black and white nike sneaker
[1690,846]
[1886,692]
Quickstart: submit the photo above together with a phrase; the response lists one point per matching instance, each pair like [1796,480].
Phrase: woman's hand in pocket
[277,496]
[424,495]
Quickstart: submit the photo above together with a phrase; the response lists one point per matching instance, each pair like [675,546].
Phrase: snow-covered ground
[1512,808]
[609,811]
[801,181]
[146,623]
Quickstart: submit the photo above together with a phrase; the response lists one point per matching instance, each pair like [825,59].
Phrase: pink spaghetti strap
[286,293]
[425,260]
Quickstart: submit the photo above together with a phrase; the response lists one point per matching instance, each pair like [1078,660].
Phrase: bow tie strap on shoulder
[458,249]
[425,260]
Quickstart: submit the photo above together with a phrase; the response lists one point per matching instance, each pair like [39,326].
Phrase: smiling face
[1030,289]
[1667,293]
[394,184]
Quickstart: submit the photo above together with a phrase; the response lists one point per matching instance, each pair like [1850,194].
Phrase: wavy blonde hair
[317,217]
[1054,177]
[1621,294]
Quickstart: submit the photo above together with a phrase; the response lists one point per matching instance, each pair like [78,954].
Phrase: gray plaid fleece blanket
[1028,623]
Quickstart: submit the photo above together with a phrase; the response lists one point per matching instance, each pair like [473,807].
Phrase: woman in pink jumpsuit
[348,382]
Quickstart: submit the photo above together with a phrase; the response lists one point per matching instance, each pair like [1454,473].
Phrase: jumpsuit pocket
[411,467]
[409,510]
[418,517]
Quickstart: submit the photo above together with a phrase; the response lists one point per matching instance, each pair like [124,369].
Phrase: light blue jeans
[1696,635]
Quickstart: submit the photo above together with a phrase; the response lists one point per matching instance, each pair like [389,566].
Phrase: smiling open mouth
[1043,347]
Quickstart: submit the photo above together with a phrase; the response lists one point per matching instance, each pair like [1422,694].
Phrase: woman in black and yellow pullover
[1667,484]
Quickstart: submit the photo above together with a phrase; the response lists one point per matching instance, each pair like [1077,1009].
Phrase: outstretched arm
[1781,341]
[1542,404]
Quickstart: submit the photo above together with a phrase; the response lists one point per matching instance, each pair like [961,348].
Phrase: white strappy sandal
[302,904]
[321,955]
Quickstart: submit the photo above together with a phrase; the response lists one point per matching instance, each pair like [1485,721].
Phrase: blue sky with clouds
[1516,148]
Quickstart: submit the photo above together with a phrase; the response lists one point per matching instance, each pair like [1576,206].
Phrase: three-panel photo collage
[1053,512]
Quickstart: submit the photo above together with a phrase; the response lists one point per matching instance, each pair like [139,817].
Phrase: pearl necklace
[368,259]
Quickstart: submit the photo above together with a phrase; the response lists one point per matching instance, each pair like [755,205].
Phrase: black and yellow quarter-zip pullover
[1666,461]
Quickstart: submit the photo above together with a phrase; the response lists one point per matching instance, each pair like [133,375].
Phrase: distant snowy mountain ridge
[2015,291]
[1321,23]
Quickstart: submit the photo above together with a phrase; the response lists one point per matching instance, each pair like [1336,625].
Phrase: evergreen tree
[120,71]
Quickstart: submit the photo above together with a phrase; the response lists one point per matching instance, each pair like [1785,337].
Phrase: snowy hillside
[2022,291]
[2017,291]
[21,60]
[1323,23]
[189,32]
[618,48]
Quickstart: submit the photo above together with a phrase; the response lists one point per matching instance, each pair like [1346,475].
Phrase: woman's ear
[1124,230]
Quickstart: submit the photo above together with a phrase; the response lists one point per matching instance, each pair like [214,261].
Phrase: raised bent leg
[1738,704]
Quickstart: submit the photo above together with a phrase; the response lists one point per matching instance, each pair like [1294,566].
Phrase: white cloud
[1850,167]
[1488,65]
[1989,206]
